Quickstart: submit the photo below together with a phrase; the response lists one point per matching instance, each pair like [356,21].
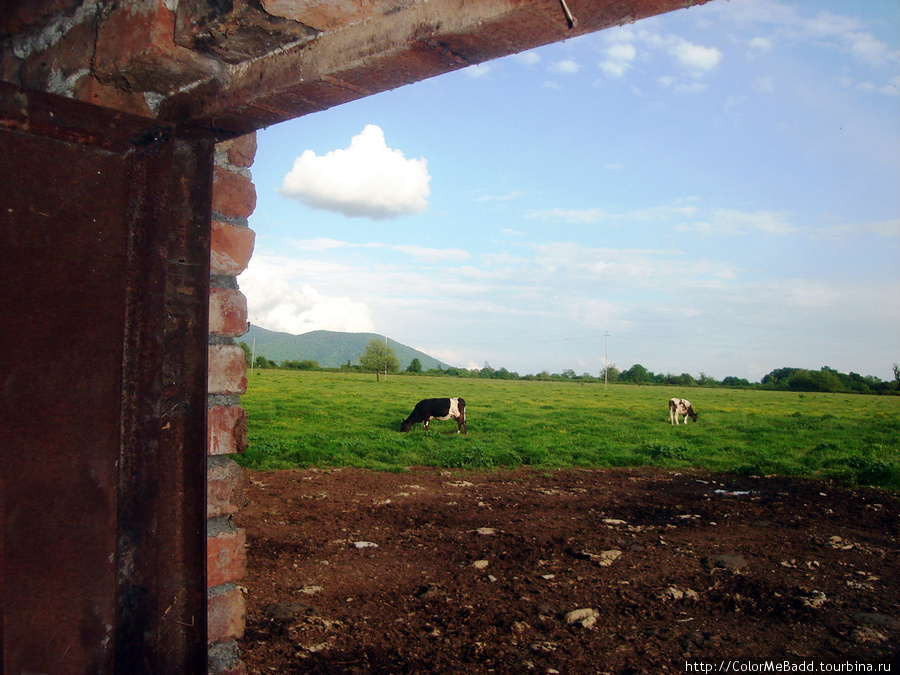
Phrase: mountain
[330,349]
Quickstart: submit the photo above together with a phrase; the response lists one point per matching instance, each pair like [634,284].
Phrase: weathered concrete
[232,68]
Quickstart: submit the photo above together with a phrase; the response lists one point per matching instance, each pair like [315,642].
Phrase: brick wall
[234,198]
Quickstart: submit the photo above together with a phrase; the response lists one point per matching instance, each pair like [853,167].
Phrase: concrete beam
[411,42]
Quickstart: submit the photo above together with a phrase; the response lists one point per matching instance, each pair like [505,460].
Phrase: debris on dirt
[796,570]
[728,561]
[815,599]
[604,558]
[675,593]
[585,617]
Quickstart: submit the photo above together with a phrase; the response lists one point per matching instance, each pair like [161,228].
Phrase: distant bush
[306,364]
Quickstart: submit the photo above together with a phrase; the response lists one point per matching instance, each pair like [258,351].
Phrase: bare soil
[601,571]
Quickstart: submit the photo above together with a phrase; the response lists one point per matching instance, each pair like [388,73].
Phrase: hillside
[330,349]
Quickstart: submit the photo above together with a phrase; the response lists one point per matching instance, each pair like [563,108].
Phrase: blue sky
[717,188]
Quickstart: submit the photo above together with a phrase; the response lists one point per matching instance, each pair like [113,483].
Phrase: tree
[637,374]
[415,366]
[247,353]
[609,373]
[379,358]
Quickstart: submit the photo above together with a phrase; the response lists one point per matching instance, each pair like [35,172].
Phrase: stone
[585,617]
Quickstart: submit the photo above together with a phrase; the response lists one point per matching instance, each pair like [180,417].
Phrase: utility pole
[606,361]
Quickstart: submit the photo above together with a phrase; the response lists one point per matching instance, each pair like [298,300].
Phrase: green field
[326,419]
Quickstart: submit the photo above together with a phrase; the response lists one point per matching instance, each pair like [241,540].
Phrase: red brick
[136,50]
[231,248]
[227,312]
[61,65]
[224,487]
[226,430]
[225,615]
[227,370]
[327,16]
[234,195]
[21,17]
[226,557]
[242,150]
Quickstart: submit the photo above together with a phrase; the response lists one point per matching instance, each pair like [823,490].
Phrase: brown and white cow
[437,409]
[681,406]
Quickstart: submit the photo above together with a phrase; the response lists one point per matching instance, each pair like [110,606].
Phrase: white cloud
[826,29]
[760,44]
[730,221]
[366,179]
[689,87]
[565,67]
[319,244]
[280,305]
[529,58]
[478,71]
[685,218]
[657,214]
[618,60]
[695,57]
[622,52]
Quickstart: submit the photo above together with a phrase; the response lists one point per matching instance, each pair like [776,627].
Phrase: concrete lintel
[386,51]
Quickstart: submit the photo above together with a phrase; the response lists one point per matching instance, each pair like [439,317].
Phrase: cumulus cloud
[529,58]
[565,67]
[622,51]
[366,179]
[827,29]
[760,44]
[618,59]
[278,305]
[695,57]
[479,70]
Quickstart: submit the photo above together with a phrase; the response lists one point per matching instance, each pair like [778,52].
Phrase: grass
[304,419]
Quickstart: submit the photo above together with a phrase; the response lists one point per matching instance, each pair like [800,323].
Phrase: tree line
[380,359]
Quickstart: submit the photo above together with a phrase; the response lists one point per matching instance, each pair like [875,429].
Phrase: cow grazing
[437,409]
[681,406]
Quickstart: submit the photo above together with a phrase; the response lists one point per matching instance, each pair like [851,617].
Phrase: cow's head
[405,425]
[692,414]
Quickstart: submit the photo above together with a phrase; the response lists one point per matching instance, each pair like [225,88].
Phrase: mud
[607,571]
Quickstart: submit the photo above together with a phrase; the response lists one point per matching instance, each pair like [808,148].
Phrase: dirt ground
[607,571]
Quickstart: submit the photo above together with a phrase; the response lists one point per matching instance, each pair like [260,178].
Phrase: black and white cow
[681,406]
[437,409]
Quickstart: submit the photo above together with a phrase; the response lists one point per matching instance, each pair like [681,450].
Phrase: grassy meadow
[328,419]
